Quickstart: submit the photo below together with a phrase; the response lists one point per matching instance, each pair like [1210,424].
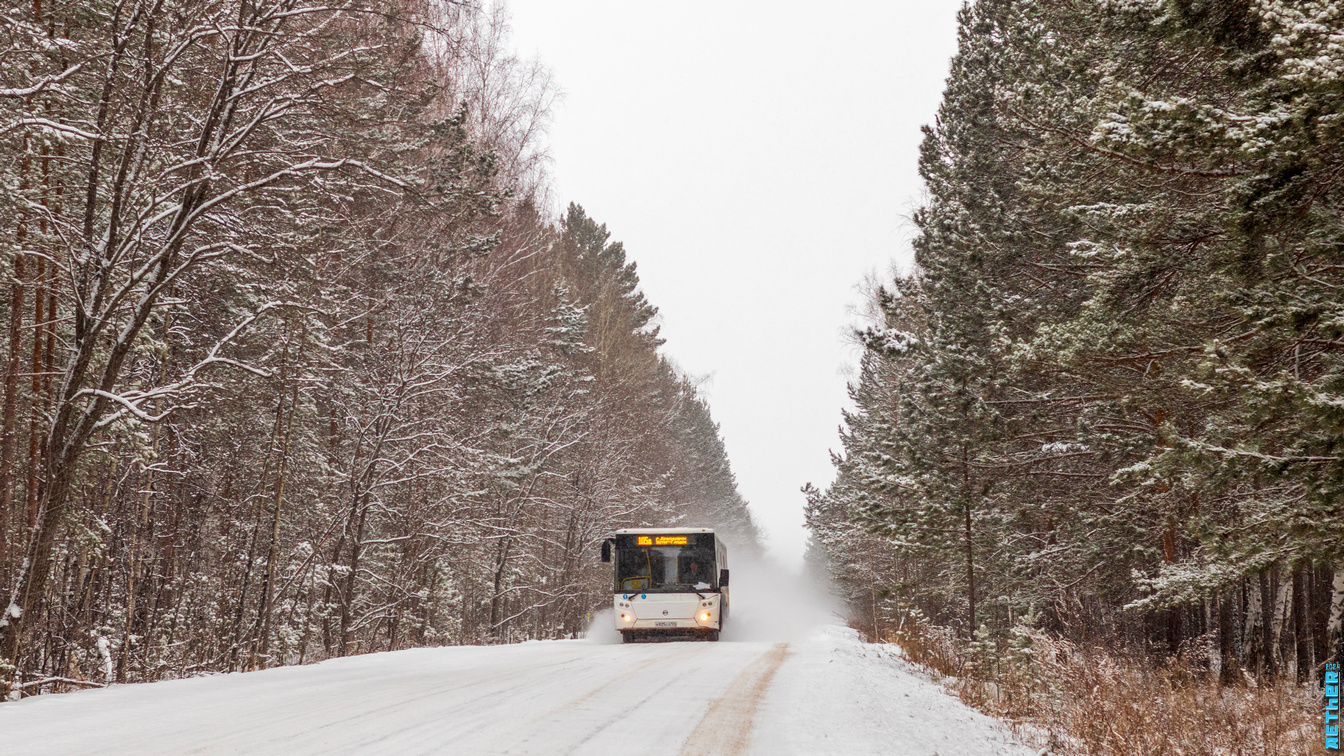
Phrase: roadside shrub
[1108,702]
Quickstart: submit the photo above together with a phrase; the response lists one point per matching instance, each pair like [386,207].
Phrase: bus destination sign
[661,540]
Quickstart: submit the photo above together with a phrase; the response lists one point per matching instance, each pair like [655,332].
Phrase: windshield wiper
[683,588]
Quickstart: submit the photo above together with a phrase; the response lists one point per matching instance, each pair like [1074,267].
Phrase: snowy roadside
[841,695]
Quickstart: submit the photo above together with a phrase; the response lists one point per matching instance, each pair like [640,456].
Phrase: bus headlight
[626,618]
[704,616]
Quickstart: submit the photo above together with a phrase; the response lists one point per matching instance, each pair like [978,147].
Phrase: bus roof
[659,531]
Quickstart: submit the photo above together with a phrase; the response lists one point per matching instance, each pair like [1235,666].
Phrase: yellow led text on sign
[660,541]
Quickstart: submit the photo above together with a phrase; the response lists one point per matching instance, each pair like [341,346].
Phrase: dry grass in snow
[1100,703]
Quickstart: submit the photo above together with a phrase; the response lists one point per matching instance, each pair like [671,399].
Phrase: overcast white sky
[757,159]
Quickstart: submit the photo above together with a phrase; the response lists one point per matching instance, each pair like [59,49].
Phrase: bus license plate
[664,624]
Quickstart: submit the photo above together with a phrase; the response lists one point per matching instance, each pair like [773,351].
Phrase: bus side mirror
[606,550]
[723,578]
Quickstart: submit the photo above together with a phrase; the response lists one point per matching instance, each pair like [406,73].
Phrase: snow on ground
[786,680]
[839,695]
[828,694]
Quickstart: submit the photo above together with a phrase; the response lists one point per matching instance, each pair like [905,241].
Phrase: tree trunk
[496,598]
[1320,611]
[1301,627]
[328,590]
[35,398]
[238,639]
[133,565]
[1250,625]
[348,600]
[970,574]
[11,401]
[1268,655]
[1174,613]
[1335,627]
[1283,618]
[12,367]
[970,548]
[1227,659]
[268,588]
[363,489]
[32,581]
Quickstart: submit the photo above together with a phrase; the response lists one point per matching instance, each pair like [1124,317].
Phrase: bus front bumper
[667,612]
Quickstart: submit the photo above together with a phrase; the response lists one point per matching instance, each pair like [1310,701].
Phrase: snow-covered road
[826,693]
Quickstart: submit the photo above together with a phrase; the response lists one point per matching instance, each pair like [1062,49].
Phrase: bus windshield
[665,569]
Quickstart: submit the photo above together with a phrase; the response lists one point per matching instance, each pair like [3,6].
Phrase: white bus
[670,583]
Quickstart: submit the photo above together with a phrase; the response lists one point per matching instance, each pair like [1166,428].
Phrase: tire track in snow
[319,721]
[726,727]
[481,725]
[671,664]
[537,728]
[560,710]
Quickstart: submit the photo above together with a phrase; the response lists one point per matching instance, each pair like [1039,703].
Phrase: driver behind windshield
[694,573]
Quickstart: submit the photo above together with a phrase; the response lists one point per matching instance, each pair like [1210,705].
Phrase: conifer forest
[296,364]
[1108,401]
